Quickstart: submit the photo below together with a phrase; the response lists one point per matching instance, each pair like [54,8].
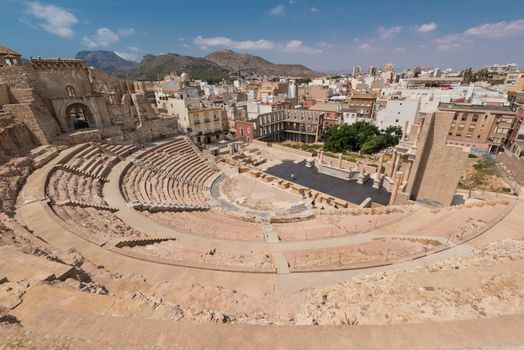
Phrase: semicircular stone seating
[169,177]
[171,183]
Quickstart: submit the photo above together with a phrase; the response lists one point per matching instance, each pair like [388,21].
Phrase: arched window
[79,116]
[70,91]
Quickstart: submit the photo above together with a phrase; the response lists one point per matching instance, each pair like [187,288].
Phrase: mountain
[212,68]
[106,61]
[153,67]
[235,61]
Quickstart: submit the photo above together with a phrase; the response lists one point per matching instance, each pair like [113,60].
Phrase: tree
[478,176]
[360,136]
[374,144]
[392,135]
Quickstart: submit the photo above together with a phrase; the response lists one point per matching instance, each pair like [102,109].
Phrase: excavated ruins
[148,242]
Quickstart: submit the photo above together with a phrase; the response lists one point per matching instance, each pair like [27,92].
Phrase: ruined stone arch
[79,116]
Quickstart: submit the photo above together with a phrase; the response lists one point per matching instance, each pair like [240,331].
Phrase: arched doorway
[79,116]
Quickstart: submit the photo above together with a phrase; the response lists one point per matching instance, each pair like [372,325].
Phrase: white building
[349,115]
[254,109]
[396,112]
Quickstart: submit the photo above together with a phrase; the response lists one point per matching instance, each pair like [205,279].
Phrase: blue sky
[324,35]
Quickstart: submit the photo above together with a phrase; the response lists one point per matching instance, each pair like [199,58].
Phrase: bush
[471,155]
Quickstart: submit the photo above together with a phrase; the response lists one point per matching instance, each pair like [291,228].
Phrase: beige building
[319,93]
[483,128]
[363,103]
[272,88]
[204,124]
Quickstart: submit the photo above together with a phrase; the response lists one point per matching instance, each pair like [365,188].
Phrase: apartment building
[205,124]
[288,124]
[395,112]
[332,113]
[483,128]
[363,103]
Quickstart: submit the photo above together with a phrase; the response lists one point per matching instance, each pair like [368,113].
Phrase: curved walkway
[32,212]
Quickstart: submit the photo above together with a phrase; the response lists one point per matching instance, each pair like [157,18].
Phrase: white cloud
[368,47]
[452,41]
[53,19]
[279,10]
[325,44]
[313,9]
[262,44]
[504,29]
[222,41]
[296,46]
[125,32]
[130,56]
[386,33]
[426,27]
[105,37]
[400,49]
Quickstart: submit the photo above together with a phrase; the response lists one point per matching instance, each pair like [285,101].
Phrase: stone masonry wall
[437,167]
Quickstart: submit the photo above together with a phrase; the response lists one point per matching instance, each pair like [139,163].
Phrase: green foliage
[469,76]
[471,155]
[313,148]
[392,135]
[303,81]
[374,144]
[208,73]
[361,136]
[484,168]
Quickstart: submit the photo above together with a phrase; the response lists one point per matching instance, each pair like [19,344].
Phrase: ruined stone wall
[15,140]
[36,116]
[26,105]
[156,129]
[4,95]
[51,77]
[437,167]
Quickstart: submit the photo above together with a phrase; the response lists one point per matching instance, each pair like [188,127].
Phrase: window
[70,91]
[242,132]
[464,117]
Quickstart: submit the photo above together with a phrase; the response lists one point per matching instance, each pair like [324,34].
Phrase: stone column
[396,186]
[404,131]
[417,133]
[396,166]
[321,156]
[340,160]
[396,160]
[408,171]
[379,168]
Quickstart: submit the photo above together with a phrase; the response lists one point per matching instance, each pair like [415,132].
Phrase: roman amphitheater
[158,244]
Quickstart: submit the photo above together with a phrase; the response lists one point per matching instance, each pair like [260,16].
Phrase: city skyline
[325,37]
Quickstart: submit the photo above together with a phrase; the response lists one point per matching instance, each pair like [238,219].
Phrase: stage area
[347,190]
[255,194]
